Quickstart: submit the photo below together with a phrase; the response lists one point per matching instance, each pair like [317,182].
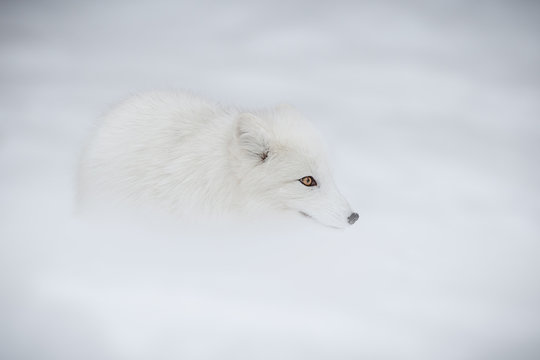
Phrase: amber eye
[308,181]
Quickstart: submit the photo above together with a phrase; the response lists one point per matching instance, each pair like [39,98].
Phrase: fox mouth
[312,218]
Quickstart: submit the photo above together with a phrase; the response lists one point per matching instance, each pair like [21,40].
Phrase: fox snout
[352,218]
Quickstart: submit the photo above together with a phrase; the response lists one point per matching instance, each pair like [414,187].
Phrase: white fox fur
[194,157]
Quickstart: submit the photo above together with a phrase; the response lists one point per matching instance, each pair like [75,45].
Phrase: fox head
[280,160]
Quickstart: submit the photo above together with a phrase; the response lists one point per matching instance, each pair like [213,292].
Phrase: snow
[431,110]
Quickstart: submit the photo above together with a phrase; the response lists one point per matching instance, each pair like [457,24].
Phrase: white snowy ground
[432,110]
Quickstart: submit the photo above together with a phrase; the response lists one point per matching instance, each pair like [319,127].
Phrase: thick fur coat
[194,157]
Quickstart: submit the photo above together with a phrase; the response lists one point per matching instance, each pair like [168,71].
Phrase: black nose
[352,219]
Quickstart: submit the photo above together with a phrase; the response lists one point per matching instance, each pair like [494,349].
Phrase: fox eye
[308,181]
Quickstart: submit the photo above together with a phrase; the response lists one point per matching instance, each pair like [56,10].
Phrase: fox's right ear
[253,138]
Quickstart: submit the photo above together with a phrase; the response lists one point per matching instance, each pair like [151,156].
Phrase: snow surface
[432,110]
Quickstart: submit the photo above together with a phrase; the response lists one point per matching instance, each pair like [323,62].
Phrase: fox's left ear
[253,138]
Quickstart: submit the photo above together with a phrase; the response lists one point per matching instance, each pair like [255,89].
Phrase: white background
[431,109]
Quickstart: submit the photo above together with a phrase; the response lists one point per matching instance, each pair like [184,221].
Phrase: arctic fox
[192,156]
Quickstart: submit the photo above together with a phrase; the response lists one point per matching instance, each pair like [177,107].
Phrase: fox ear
[253,138]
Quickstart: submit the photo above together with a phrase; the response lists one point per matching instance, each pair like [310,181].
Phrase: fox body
[191,156]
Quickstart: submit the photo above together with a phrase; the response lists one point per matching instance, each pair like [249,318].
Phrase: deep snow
[432,111]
